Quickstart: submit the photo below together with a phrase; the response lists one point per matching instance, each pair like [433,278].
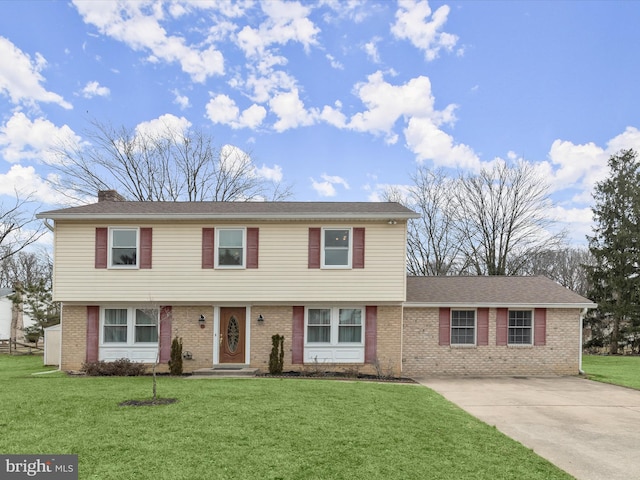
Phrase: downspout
[583,312]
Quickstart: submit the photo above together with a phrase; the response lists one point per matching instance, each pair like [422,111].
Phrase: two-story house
[329,277]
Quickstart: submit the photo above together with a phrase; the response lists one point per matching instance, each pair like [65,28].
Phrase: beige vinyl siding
[282,275]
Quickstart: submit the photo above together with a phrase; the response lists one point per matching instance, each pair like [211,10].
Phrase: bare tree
[18,226]
[433,246]
[170,164]
[503,218]
[26,267]
[566,266]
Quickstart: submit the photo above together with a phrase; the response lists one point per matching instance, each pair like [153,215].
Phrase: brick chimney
[110,196]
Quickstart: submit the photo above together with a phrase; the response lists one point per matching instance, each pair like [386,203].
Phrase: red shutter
[93,333]
[502,326]
[297,336]
[540,326]
[483,326]
[314,247]
[166,317]
[358,248]
[371,335]
[253,240]
[102,241]
[208,247]
[445,326]
[146,235]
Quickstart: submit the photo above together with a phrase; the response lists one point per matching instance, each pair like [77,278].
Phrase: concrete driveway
[589,429]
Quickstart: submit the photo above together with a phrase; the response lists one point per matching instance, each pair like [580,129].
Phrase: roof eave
[498,305]
[228,216]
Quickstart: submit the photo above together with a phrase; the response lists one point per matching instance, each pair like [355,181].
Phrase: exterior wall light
[201,321]
[187,356]
[260,318]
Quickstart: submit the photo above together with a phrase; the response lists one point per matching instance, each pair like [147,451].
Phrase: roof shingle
[492,291]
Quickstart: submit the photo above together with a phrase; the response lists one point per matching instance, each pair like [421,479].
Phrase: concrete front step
[225,372]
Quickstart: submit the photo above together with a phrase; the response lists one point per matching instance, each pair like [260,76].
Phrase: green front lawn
[252,429]
[614,369]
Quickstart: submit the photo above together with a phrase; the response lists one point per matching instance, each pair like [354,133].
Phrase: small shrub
[123,367]
[175,362]
[276,359]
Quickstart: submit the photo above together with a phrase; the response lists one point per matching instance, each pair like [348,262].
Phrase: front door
[232,334]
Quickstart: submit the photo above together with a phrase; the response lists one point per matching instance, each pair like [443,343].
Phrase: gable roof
[126,210]
[491,291]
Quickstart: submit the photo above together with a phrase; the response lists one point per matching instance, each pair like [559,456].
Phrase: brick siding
[423,356]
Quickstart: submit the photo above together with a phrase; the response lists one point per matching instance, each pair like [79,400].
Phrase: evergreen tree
[615,275]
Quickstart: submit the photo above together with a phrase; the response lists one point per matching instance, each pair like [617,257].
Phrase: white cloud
[334,63]
[327,187]
[24,139]
[274,174]
[428,142]
[412,24]
[371,49]
[94,89]
[181,100]
[164,123]
[286,22]
[20,77]
[222,109]
[291,111]
[137,24]
[27,182]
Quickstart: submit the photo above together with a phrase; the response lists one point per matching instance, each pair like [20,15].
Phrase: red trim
[483,326]
[502,326]
[358,248]
[297,336]
[540,326]
[253,241]
[102,241]
[444,326]
[314,247]
[93,333]
[371,334]
[166,318]
[146,235]
[208,247]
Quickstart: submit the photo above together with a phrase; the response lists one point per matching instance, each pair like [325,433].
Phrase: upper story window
[520,327]
[336,248]
[230,248]
[463,327]
[123,247]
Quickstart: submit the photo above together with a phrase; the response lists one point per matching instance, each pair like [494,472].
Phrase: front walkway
[589,429]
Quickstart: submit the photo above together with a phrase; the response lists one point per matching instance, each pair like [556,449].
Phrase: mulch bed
[337,376]
[147,403]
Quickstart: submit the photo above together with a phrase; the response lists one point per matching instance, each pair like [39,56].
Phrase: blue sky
[338,98]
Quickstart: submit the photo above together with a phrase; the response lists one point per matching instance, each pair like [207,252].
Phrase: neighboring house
[12,320]
[329,277]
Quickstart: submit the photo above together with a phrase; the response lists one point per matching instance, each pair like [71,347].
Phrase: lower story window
[334,326]
[520,327]
[334,335]
[463,327]
[130,326]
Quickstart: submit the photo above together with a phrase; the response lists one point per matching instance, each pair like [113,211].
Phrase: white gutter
[582,314]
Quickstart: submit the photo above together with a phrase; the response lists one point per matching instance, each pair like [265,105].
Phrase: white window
[336,248]
[123,247]
[520,327]
[334,326]
[463,327]
[231,248]
[130,326]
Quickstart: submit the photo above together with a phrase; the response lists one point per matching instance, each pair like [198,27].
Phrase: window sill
[516,345]
[462,346]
